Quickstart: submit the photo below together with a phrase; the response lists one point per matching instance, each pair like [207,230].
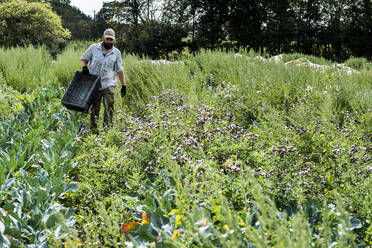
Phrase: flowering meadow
[215,149]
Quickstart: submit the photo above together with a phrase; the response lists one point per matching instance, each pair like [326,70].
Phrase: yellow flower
[75,243]
[145,219]
[176,234]
[178,220]
[174,211]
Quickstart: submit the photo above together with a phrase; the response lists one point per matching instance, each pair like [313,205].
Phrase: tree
[212,19]
[308,25]
[246,23]
[23,23]
[103,18]
[142,26]
[358,32]
[279,28]
[80,25]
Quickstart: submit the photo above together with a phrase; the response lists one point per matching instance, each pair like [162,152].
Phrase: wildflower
[74,243]
[174,211]
[129,227]
[336,150]
[176,234]
[4,211]
[353,160]
[354,149]
[145,218]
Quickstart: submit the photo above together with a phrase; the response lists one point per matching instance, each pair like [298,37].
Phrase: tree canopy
[333,29]
[24,23]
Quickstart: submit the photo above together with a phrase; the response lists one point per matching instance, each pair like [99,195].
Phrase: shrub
[10,104]
[358,63]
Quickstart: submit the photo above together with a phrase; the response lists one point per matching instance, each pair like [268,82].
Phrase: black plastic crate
[80,93]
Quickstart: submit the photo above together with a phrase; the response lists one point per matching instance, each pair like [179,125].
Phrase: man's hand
[85,70]
[123,90]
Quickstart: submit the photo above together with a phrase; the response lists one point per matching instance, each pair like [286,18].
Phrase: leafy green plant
[31,209]
[10,104]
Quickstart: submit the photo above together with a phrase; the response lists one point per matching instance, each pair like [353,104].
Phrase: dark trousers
[108,103]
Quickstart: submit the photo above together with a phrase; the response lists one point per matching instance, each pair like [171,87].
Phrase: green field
[210,150]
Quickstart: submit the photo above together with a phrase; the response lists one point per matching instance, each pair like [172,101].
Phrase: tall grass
[359,63]
[25,69]
[314,59]
[64,67]
[256,80]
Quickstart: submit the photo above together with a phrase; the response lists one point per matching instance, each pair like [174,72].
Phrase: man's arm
[121,77]
[84,63]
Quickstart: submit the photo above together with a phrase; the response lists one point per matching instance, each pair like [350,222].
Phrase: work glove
[123,90]
[85,70]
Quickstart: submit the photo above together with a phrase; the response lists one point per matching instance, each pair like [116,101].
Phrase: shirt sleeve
[118,63]
[88,54]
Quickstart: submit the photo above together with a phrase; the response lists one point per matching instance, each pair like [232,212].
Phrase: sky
[88,6]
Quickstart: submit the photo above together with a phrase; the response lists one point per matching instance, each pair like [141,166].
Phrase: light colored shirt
[103,65]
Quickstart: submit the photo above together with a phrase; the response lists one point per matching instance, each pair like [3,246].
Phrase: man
[105,60]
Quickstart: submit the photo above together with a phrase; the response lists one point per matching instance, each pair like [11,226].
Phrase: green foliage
[154,39]
[67,63]
[24,23]
[74,20]
[217,149]
[35,198]
[25,69]
[10,104]
[314,59]
[358,63]
[303,132]
[332,29]
[33,168]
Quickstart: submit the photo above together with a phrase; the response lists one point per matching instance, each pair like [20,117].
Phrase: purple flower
[336,150]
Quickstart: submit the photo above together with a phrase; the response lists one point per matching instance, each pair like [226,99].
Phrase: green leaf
[355,223]
[4,242]
[2,227]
